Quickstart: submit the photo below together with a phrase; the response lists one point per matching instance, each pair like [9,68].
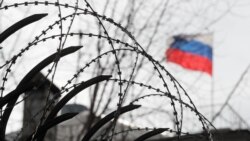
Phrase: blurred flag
[192,52]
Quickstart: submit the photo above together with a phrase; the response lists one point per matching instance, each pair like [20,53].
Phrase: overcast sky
[231,54]
[231,58]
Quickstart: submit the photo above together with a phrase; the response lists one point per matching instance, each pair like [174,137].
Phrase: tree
[125,49]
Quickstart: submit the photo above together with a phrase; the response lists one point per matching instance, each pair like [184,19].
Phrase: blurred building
[34,106]
[219,135]
[70,130]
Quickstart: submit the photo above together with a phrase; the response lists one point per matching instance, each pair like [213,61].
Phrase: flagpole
[212,95]
[212,82]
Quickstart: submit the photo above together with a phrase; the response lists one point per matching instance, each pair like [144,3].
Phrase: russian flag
[191,54]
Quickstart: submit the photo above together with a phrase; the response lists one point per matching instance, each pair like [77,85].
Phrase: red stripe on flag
[189,60]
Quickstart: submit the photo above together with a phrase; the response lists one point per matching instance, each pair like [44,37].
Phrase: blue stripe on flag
[192,46]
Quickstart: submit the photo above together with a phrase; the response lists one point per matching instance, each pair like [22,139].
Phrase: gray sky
[231,51]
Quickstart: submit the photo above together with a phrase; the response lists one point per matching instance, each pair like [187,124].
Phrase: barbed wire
[121,84]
